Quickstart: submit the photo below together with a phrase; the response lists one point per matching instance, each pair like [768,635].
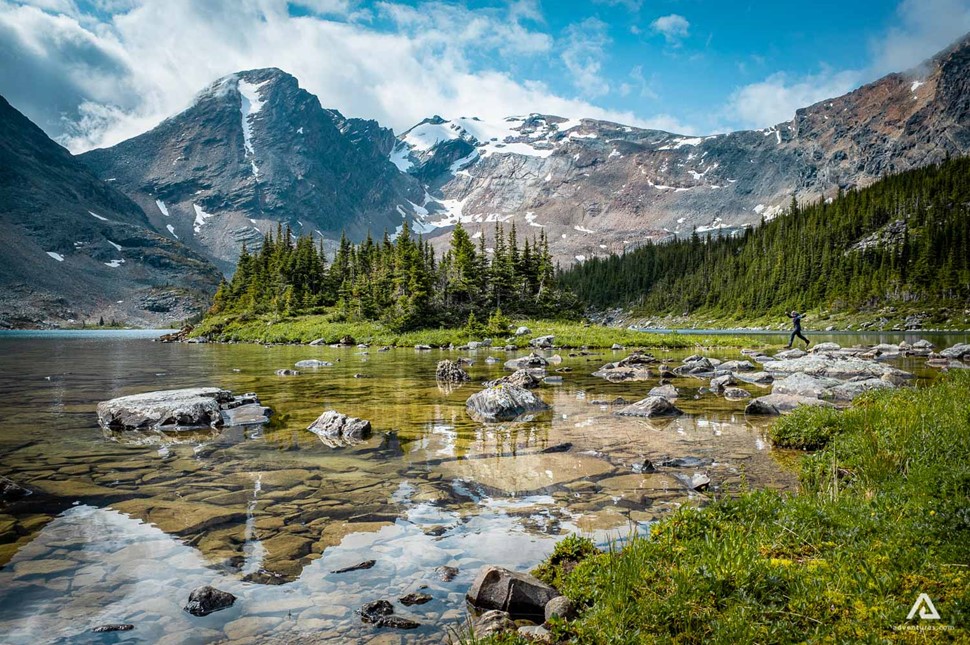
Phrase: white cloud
[583,55]
[776,98]
[632,6]
[674,28]
[93,84]
[925,27]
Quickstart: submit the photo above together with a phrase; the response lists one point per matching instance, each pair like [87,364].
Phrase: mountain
[255,150]
[597,187]
[72,247]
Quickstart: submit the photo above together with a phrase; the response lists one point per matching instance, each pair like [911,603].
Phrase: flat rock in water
[756,378]
[849,390]
[831,366]
[825,347]
[960,350]
[526,362]
[205,600]
[775,404]
[313,363]
[519,594]
[246,415]
[527,378]
[801,384]
[616,374]
[190,408]
[736,394]
[118,627]
[652,406]
[10,490]
[789,353]
[503,403]
[668,392]
[334,425]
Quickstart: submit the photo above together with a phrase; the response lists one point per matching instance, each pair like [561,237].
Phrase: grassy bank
[883,515]
[303,329]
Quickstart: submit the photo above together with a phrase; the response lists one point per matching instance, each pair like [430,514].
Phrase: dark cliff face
[255,150]
[72,246]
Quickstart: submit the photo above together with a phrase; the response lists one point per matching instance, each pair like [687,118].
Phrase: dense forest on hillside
[905,240]
[399,283]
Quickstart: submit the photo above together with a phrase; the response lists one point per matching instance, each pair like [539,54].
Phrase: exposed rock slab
[519,594]
[652,406]
[775,404]
[503,403]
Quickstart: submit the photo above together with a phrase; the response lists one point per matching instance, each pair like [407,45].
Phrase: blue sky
[93,72]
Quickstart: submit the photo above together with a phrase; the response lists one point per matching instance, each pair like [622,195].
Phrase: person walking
[796,319]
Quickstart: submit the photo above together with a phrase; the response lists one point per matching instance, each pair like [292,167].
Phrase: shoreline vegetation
[568,334]
[880,518]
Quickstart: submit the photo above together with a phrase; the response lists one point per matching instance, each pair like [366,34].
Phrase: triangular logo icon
[925,607]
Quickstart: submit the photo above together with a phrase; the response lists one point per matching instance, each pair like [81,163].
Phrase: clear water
[120,528]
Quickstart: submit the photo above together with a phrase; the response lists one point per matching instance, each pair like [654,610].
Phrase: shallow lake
[121,527]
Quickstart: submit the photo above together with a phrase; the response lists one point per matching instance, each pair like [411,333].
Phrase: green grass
[303,329]
[883,515]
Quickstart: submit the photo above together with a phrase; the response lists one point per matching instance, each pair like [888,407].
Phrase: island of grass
[883,515]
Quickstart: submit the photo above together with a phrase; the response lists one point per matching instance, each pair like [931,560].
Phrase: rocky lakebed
[187,492]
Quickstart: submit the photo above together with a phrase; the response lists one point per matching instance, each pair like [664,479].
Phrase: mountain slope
[901,243]
[599,187]
[255,150]
[73,247]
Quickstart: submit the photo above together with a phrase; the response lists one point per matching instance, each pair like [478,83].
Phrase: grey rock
[652,406]
[415,598]
[333,425]
[446,573]
[735,394]
[492,622]
[527,378]
[543,342]
[736,366]
[825,347]
[801,384]
[246,415]
[366,564]
[519,594]
[850,390]
[372,612]
[561,607]
[667,391]
[287,372]
[960,350]
[11,491]
[449,372]
[531,361]
[205,600]
[775,404]
[615,374]
[535,633]
[313,363]
[523,331]
[718,383]
[423,348]
[503,403]
[686,462]
[190,408]
[790,353]
[113,627]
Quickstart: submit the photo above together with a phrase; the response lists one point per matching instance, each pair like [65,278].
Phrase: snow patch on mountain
[250,104]
[200,218]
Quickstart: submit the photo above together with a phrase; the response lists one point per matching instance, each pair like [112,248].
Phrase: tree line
[399,281]
[902,240]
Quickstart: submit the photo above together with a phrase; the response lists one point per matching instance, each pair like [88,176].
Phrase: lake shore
[307,329]
[879,520]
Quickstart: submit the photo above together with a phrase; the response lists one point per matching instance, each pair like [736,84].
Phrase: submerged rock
[652,406]
[374,611]
[114,627]
[334,425]
[366,564]
[503,403]
[287,372]
[11,491]
[446,573]
[205,600]
[519,594]
[313,363]
[449,372]
[415,598]
[667,391]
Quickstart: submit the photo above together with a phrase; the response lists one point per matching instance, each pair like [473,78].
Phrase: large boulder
[842,368]
[652,406]
[775,404]
[503,403]
[205,600]
[449,372]
[801,384]
[960,350]
[849,390]
[332,425]
[519,594]
[188,409]
[542,342]
[523,331]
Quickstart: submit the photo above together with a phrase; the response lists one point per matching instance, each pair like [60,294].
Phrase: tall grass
[883,515]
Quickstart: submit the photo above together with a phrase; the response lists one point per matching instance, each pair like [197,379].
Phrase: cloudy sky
[94,72]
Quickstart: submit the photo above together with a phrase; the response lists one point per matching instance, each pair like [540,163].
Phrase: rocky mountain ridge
[255,150]
[73,248]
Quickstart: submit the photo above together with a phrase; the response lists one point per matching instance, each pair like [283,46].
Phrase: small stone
[415,598]
[205,600]
[120,627]
[446,573]
[561,607]
[492,622]
[366,564]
